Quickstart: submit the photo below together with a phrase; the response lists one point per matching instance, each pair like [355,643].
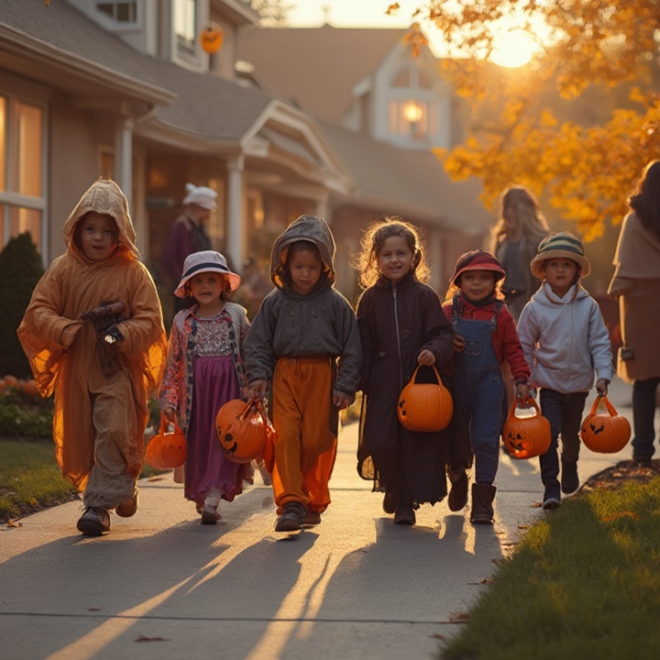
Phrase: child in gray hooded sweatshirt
[564,339]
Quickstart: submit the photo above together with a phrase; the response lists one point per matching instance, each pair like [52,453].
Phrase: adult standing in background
[636,284]
[188,235]
[514,241]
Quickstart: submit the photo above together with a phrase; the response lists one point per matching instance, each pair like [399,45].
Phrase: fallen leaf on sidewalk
[155,477]
[523,526]
[12,523]
[459,617]
[142,638]
[438,636]
[483,581]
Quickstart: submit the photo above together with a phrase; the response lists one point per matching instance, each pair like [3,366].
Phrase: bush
[23,416]
[20,270]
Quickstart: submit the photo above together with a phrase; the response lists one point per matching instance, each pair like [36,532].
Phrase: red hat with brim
[477,260]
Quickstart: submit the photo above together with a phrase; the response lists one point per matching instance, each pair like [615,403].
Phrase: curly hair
[373,239]
[519,201]
[645,202]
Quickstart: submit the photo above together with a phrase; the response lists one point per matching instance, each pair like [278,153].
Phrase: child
[300,330]
[101,363]
[485,337]
[204,371]
[564,338]
[402,325]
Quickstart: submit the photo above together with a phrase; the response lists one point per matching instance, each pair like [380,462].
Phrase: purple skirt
[206,467]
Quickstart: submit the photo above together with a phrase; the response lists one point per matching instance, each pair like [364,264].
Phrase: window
[185,26]
[125,13]
[413,107]
[22,158]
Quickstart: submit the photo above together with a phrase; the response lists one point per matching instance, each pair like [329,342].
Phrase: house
[124,89]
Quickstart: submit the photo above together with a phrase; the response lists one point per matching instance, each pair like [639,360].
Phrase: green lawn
[584,583]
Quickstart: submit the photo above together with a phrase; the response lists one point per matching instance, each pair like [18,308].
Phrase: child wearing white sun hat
[564,338]
[205,370]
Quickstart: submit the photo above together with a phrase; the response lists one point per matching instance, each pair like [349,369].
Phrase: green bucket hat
[562,245]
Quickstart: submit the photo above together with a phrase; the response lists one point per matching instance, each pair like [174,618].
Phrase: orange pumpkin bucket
[425,407]
[167,449]
[241,429]
[528,436]
[605,433]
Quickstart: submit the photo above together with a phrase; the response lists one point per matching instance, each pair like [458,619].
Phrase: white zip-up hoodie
[565,340]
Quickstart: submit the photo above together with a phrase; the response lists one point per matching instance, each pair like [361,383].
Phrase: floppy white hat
[202,196]
[206,261]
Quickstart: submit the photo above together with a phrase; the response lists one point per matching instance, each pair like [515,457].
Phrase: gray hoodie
[565,340]
[318,324]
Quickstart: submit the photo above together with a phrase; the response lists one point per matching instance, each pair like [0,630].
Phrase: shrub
[20,270]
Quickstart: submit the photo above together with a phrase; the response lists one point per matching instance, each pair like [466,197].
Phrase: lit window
[120,12]
[185,25]
[22,156]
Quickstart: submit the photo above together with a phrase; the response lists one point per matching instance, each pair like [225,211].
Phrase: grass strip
[583,583]
[30,478]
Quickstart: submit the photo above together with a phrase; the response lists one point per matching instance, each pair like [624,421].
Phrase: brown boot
[459,491]
[482,504]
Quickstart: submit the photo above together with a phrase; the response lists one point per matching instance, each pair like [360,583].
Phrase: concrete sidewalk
[162,586]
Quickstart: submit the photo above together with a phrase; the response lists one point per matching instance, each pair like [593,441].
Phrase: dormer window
[122,13]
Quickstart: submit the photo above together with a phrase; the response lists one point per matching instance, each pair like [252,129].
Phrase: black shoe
[458,493]
[482,504]
[570,481]
[95,521]
[210,516]
[311,518]
[389,505]
[291,518]
[404,515]
[551,497]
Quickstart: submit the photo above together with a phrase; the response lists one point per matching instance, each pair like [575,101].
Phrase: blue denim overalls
[480,390]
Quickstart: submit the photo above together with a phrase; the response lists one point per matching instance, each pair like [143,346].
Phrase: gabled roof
[410,183]
[59,45]
[316,68]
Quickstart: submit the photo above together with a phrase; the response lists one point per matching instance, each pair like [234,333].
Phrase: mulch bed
[623,472]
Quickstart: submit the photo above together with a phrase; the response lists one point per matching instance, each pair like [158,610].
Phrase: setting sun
[514,49]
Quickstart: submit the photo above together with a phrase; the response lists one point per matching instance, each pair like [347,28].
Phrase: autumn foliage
[579,122]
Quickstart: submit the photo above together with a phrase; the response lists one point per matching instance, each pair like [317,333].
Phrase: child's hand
[522,391]
[601,386]
[169,414]
[459,343]
[426,358]
[341,399]
[69,333]
[258,388]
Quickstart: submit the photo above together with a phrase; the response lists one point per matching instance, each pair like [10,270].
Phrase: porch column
[435,245]
[323,209]
[123,160]
[235,247]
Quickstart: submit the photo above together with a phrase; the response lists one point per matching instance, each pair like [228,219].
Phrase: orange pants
[305,448]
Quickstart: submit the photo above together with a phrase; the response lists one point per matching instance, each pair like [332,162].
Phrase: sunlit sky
[371,13]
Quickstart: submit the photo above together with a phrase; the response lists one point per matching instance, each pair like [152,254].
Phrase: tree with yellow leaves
[578,122]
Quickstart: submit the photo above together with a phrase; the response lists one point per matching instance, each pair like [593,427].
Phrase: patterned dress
[204,371]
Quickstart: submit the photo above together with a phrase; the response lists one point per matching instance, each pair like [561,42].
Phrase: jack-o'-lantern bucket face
[605,433]
[528,436]
[425,407]
[241,430]
[211,39]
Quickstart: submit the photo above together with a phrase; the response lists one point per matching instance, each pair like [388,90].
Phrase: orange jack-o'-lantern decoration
[241,430]
[605,433]
[529,435]
[167,449]
[211,39]
[425,407]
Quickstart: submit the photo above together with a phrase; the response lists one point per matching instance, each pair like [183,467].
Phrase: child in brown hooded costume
[300,331]
[102,366]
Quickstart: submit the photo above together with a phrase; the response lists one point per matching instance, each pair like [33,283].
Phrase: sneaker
[311,518]
[95,521]
[389,505]
[550,503]
[458,493]
[210,515]
[404,515]
[570,481]
[291,518]
[128,507]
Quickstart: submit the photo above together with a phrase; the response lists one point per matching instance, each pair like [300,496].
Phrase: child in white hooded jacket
[564,338]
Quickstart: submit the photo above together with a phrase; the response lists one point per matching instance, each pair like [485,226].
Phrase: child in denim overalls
[485,337]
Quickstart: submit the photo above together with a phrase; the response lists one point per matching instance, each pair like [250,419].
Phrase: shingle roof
[407,182]
[316,68]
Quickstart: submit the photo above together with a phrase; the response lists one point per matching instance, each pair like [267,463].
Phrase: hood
[546,296]
[104,196]
[305,228]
